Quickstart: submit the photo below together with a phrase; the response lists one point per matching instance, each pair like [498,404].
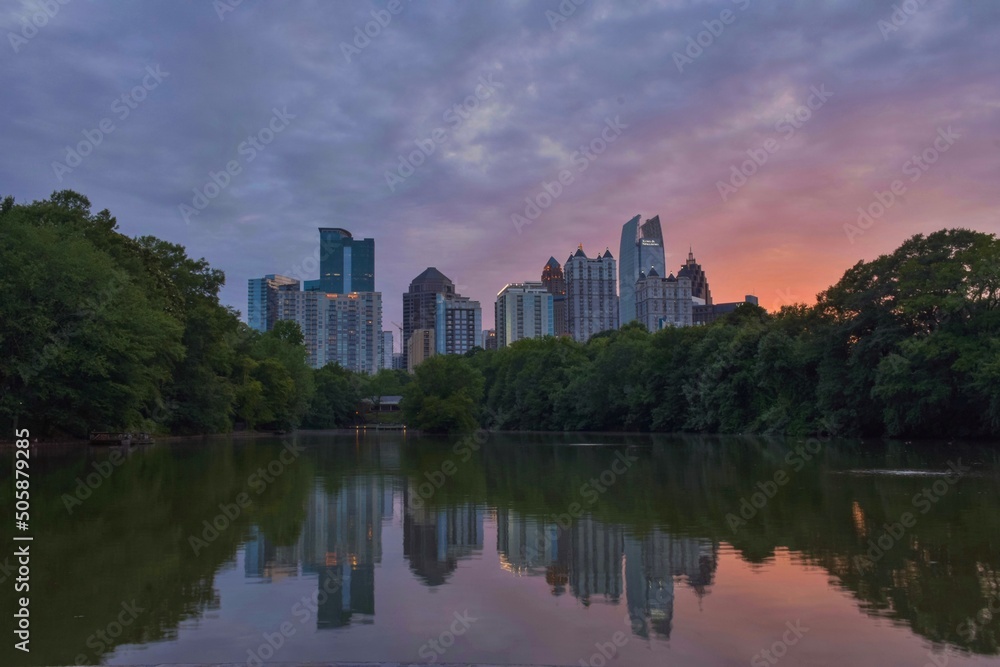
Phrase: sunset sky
[921,79]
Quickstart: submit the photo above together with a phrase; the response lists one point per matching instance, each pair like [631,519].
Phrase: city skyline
[330,128]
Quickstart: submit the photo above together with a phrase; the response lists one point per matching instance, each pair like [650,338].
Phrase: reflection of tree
[129,542]
[688,485]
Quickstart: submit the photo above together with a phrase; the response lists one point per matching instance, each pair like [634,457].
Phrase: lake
[511,549]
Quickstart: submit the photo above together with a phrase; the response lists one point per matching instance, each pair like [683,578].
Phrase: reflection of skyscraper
[531,546]
[595,558]
[341,543]
[265,560]
[436,538]
[651,563]
[641,249]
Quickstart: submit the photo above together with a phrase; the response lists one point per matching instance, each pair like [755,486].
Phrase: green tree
[444,395]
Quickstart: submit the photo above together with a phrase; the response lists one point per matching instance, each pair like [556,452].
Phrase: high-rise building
[699,282]
[555,283]
[397,361]
[340,314]
[489,339]
[346,264]
[338,328]
[420,305]
[432,303]
[262,294]
[458,324]
[523,310]
[419,346]
[591,294]
[641,248]
[386,350]
[663,302]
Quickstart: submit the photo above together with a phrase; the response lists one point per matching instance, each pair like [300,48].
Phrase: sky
[782,141]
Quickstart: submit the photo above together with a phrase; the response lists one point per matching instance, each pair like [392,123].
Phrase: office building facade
[524,310]
[591,294]
[555,282]
[699,281]
[663,302]
[458,324]
[346,264]
[338,328]
[432,303]
[641,250]
[340,314]
[262,295]
[386,350]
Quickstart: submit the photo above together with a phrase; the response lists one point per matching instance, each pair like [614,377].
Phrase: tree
[444,395]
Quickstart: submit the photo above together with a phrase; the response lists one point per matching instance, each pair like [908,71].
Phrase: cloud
[782,232]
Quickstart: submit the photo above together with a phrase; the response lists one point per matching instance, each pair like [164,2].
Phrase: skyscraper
[340,328]
[641,249]
[346,264]
[458,324]
[591,296]
[663,302]
[432,303]
[699,282]
[386,350]
[262,294]
[340,314]
[555,283]
[523,310]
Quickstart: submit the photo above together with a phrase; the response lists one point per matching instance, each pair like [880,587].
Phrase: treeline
[102,331]
[907,345]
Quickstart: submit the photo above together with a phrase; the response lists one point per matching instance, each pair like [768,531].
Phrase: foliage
[444,395]
[105,332]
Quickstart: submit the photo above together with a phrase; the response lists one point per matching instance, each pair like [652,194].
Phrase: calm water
[525,550]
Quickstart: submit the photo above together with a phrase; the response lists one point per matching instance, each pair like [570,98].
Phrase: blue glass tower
[346,264]
[641,249]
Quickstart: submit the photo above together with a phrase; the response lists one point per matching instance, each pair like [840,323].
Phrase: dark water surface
[511,549]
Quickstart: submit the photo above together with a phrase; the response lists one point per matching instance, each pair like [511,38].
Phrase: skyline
[303,132]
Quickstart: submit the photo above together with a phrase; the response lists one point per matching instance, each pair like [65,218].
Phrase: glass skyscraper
[641,249]
[346,264]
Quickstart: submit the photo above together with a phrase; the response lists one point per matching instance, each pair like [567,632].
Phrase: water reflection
[650,541]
